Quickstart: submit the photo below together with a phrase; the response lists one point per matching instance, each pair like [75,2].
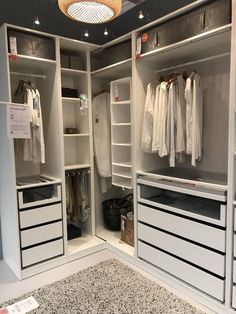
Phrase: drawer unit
[207,259]
[42,253]
[41,234]
[196,207]
[40,195]
[198,278]
[186,228]
[41,215]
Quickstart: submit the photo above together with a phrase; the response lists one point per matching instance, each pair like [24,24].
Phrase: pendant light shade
[91,11]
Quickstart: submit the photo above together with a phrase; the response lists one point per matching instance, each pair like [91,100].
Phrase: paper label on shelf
[21,307]
[18,122]
[138,47]
[116,92]
[13,45]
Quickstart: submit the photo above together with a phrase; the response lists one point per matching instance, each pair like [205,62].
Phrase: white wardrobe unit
[183,219]
[31,194]
[111,72]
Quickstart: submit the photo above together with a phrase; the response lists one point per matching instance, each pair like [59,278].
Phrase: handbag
[114,208]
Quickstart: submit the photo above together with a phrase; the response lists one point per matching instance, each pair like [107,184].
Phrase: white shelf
[124,186]
[113,238]
[122,144]
[72,72]
[124,102]
[121,124]
[82,243]
[79,166]
[122,175]
[123,164]
[234,202]
[204,45]
[30,65]
[119,69]
[70,100]
[76,135]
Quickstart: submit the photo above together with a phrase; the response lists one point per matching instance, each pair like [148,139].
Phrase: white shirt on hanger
[189,115]
[146,140]
[171,125]
[162,119]
[197,120]
[156,122]
[180,115]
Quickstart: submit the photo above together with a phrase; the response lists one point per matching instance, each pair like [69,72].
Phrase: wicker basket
[127,230]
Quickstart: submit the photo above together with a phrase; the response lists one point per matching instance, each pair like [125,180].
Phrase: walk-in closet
[127,146]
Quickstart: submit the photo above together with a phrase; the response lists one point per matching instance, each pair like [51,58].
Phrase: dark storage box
[69,92]
[73,232]
[111,55]
[33,45]
[65,61]
[207,17]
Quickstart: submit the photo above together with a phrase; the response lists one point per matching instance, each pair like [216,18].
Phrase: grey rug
[107,288]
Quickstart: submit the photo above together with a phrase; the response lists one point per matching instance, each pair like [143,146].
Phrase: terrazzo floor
[109,287]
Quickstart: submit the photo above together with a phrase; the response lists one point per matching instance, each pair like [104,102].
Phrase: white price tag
[18,122]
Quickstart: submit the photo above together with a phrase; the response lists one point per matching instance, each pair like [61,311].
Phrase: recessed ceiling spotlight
[36,21]
[106,32]
[141,15]
[86,33]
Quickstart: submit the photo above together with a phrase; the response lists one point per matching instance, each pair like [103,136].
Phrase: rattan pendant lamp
[91,11]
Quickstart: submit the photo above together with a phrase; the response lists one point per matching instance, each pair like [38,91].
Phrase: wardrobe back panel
[4,79]
[215,83]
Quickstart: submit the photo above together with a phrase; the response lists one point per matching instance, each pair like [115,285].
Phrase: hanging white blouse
[197,120]
[162,119]
[180,115]
[189,108]
[171,125]
[156,121]
[147,130]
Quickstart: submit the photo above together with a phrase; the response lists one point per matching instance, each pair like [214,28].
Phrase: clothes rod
[29,75]
[194,62]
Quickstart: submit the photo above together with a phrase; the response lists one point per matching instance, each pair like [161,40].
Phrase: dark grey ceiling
[23,13]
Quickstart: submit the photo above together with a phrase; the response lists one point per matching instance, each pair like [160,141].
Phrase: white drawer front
[195,254]
[42,252]
[234,297]
[190,274]
[41,234]
[200,233]
[235,245]
[40,215]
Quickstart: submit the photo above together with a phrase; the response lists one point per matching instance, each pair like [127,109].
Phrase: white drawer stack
[40,224]
[183,233]
[234,265]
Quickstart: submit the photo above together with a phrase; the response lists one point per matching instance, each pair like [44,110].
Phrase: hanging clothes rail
[194,62]
[29,75]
